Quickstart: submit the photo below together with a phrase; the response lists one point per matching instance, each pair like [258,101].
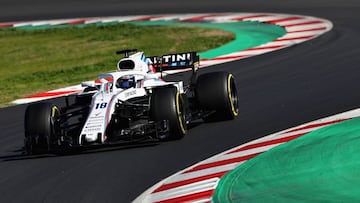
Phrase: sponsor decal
[128,94]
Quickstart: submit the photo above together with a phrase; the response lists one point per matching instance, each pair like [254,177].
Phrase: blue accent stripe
[143,58]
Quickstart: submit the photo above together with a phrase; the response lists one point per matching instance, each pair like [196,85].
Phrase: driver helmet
[125,82]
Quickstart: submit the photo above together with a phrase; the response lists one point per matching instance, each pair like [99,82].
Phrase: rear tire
[167,104]
[40,127]
[217,92]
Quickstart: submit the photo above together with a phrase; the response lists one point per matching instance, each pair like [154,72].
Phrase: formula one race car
[131,105]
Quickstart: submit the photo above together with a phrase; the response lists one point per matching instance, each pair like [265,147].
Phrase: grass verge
[34,61]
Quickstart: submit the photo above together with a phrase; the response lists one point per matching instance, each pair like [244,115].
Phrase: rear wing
[175,61]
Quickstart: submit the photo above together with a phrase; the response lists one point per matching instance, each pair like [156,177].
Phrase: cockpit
[126,81]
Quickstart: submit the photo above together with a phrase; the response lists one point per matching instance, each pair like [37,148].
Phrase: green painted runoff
[321,166]
[248,34]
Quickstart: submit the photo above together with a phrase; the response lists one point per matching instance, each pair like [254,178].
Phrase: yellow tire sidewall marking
[179,114]
[54,109]
[233,109]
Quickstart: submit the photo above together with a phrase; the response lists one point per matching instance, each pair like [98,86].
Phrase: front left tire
[166,103]
[40,127]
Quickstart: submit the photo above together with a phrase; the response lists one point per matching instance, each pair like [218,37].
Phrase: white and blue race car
[132,105]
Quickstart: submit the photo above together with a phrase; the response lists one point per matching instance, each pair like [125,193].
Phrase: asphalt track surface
[277,90]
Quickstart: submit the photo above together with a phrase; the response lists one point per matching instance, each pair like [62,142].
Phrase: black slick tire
[166,103]
[40,127]
[217,92]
